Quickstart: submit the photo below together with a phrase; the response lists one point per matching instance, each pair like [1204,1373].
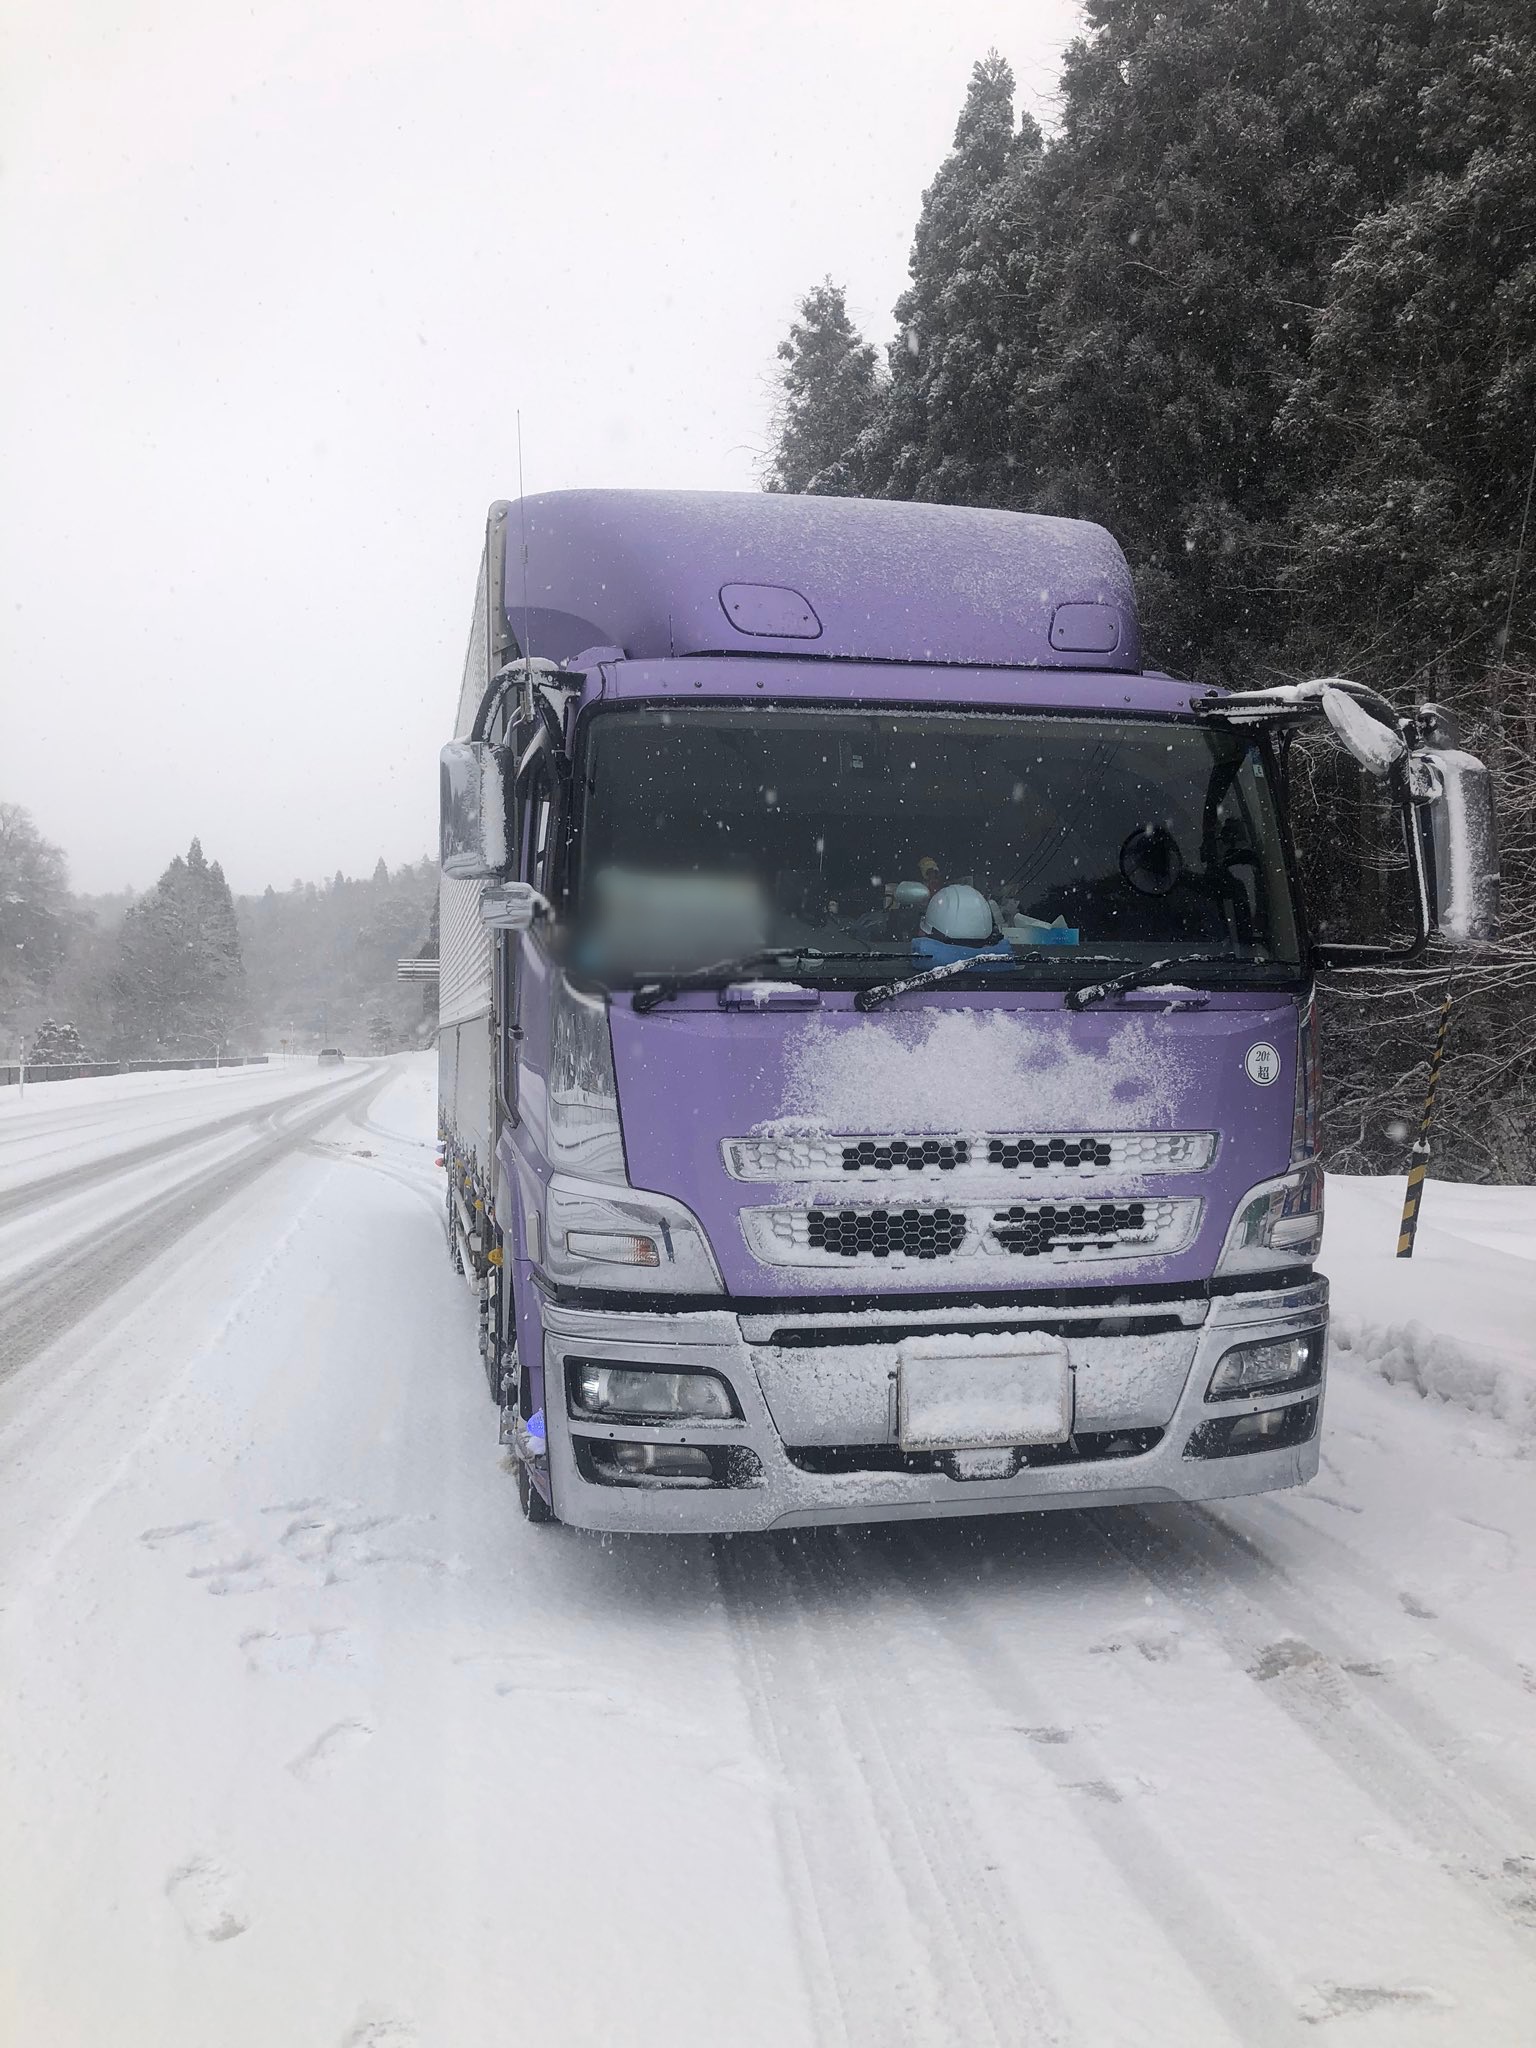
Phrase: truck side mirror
[1463,839]
[476,840]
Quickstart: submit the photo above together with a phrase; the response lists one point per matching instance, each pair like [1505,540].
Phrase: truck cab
[877,1043]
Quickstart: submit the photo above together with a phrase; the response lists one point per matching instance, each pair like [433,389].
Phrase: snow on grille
[797,1157]
[1033,1230]
[1062,1232]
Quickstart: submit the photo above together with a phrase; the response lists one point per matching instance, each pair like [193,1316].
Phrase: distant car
[331,1056]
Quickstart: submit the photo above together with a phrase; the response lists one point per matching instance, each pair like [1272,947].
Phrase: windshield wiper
[872,998]
[664,989]
[1137,977]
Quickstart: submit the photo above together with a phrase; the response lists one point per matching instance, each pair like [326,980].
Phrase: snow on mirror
[1374,745]
[475,839]
[1464,836]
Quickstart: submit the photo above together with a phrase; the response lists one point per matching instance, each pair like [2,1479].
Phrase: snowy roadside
[1457,1321]
[67,1124]
[97,1088]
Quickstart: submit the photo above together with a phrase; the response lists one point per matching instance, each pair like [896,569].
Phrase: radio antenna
[522,513]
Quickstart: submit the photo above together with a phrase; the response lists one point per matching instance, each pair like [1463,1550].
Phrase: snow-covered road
[309,1741]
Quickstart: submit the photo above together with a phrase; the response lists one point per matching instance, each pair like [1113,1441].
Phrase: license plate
[980,1393]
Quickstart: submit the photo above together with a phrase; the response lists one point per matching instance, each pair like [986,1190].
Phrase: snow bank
[1413,1355]
[1457,1321]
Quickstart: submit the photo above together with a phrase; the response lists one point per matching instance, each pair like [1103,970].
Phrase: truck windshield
[712,833]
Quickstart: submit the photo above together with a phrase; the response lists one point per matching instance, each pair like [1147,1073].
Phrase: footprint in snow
[305,1650]
[154,1538]
[1112,1791]
[380,2031]
[1411,1604]
[249,1573]
[1151,1640]
[329,1749]
[1339,2001]
[1289,1654]
[206,1893]
[1100,1789]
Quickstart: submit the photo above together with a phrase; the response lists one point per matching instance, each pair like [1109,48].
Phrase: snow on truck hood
[692,1077]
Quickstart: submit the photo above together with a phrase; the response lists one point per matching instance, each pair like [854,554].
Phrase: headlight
[584,1131]
[1274,1365]
[597,1236]
[1278,1223]
[630,1393]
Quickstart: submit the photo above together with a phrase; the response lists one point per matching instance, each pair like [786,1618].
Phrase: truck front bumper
[812,1443]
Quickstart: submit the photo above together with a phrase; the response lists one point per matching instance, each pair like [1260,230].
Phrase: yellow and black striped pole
[1419,1157]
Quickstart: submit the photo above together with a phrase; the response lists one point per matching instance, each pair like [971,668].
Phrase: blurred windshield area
[711,833]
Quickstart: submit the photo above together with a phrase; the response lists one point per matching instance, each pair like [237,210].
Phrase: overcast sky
[277,277]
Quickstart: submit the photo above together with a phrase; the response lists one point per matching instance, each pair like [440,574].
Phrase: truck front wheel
[533,1504]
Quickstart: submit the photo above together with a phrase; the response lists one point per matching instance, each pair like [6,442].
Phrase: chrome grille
[966,1155]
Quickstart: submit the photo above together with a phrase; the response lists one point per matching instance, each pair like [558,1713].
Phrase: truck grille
[877,1233]
[1061,1232]
[1085,1154]
[909,1155]
[1039,1154]
[1031,1229]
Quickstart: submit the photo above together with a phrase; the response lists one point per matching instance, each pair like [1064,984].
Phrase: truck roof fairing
[666,573]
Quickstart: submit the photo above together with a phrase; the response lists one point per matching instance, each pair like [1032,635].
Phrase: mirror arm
[529,755]
[513,906]
[547,738]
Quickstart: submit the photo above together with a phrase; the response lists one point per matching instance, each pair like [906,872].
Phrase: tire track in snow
[76,1180]
[43,1305]
[904,1937]
[1344,1564]
[1160,1879]
[31,1137]
[1396,1749]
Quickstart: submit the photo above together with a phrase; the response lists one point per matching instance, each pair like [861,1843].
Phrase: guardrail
[87,1070]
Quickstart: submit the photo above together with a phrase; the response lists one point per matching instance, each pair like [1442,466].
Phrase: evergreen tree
[1418,406]
[34,912]
[1212,160]
[968,322]
[333,953]
[829,394]
[177,984]
[56,1045]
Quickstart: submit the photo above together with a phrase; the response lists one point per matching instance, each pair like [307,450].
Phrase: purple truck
[877,1056]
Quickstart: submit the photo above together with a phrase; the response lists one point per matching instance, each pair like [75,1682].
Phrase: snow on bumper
[814,1438]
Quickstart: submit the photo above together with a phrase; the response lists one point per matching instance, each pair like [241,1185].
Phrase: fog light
[1257,1429]
[612,1247]
[640,1393]
[660,1461]
[1275,1365]
[1272,1429]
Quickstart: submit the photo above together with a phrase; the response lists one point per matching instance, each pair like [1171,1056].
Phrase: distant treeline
[1264,304]
[189,970]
